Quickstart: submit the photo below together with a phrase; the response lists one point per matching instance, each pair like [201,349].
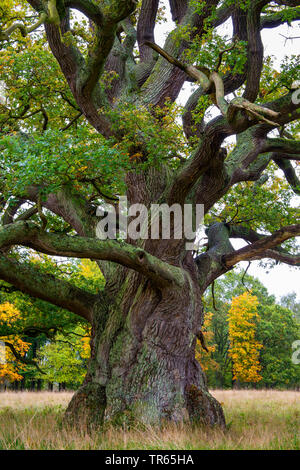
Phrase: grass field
[255,420]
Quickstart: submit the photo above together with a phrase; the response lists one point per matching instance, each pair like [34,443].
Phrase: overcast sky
[281,279]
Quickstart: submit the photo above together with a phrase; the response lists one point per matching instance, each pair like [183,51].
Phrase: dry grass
[37,400]
[255,420]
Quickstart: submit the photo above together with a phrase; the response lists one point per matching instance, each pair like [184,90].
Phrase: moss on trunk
[143,366]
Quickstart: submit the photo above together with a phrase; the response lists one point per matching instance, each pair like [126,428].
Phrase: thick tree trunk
[143,366]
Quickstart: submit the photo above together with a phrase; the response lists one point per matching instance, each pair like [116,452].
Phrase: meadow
[255,420]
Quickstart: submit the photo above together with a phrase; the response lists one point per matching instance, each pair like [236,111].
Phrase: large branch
[278,18]
[88,8]
[32,236]
[251,236]
[4,35]
[73,208]
[178,9]
[212,82]
[145,27]
[167,78]
[74,66]
[33,281]
[247,162]
[70,206]
[245,28]
[255,49]
[252,123]
[207,157]
[286,146]
[104,37]
[286,258]
[260,248]
[12,208]
[232,81]
[193,72]
[23,359]
[288,109]
[289,171]
[121,60]
[220,256]
[209,264]
[206,154]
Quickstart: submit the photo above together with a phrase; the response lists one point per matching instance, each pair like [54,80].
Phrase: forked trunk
[143,366]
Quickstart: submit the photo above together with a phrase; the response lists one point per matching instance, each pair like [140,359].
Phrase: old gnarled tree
[104,121]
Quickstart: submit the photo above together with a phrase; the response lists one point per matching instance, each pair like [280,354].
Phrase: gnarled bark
[143,366]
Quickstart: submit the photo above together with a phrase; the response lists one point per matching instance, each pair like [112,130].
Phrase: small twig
[46,119]
[235,215]
[244,221]
[221,53]
[27,214]
[93,182]
[22,359]
[213,296]
[244,274]
[71,122]
[289,38]
[41,214]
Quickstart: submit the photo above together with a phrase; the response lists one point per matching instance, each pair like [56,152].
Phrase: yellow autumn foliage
[9,365]
[85,351]
[244,348]
[202,356]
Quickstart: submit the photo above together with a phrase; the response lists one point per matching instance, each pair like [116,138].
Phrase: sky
[281,279]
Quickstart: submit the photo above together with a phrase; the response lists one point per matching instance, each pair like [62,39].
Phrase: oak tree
[88,113]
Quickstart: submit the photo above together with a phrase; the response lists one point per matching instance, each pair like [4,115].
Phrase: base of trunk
[143,367]
[203,408]
[198,406]
[87,406]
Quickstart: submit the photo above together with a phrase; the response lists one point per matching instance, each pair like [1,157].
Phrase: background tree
[105,122]
[65,360]
[38,325]
[276,331]
[290,301]
[232,284]
[13,348]
[244,347]
[206,346]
